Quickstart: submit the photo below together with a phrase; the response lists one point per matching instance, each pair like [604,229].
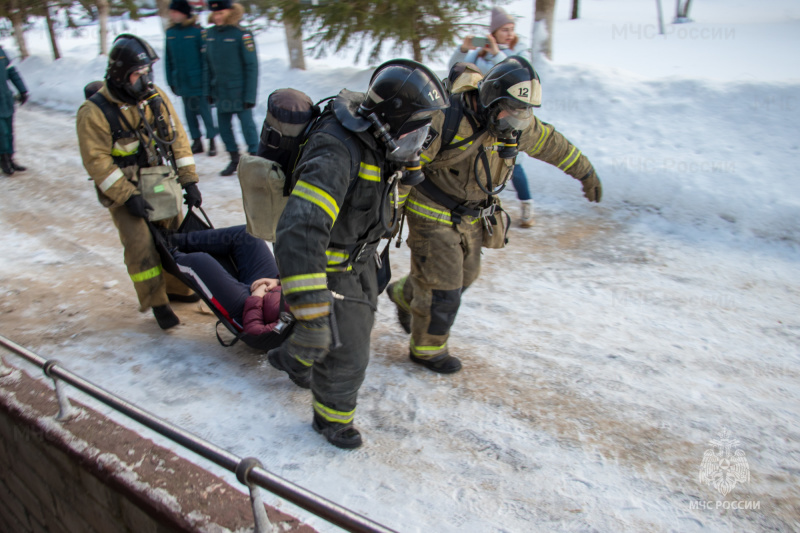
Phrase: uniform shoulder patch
[247,39]
[432,135]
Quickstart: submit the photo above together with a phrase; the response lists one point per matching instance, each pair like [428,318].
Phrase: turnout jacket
[100,153]
[332,220]
[453,171]
[185,59]
[232,64]
[8,73]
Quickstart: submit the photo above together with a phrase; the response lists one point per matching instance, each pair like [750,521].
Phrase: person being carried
[252,296]
[501,42]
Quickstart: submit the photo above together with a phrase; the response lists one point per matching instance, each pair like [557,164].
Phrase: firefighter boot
[197,146]
[165,317]
[395,293]
[298,372]
[443,364]
[344,436]
[5,164]
[231,168]
[212,148]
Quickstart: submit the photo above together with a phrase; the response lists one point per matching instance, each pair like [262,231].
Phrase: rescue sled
[193,222]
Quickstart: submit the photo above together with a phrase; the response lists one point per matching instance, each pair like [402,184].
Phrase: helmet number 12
[523,92]
[433,95]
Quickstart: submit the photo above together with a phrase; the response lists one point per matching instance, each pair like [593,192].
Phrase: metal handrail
[247,470]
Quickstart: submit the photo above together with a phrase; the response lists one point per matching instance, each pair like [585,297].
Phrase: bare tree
[51,29]
[294,36]
[163,12]
[17,16]
[102,12]
[543,16]
[574,10]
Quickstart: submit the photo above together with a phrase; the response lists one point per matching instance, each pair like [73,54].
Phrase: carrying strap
[113,117]
[452,119]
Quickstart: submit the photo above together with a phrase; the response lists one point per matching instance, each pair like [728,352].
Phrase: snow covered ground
[603,349]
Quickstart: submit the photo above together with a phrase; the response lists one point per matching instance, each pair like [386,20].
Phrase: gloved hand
[23,97]
[138,206]
[191,195]
[310,339]
[592,188]
[248,105]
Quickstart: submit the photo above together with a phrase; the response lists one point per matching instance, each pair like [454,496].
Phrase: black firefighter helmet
[130,54]
[512,86]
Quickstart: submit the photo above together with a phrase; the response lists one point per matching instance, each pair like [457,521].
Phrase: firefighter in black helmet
[327,237]
[127,126]
[455,212]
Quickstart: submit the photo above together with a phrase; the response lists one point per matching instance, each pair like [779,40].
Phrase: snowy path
[602,351]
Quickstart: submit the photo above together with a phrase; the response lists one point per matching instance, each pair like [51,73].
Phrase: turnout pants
[7,135]
[445,260]
[144,264]
[251,256]
[336,379]
[225,121]
[194,106]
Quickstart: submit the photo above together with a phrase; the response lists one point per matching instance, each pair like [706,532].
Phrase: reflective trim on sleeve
[369,172]
[338,260]
[318,197]
[311,311]
[147,274]
[304,282]
[546,131]
[184,161]
[332,415]
[111,179]
[401,198]
[427,352]
[574,160]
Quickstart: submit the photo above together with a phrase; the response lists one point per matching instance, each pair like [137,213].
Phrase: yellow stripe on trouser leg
[332,415]
[147,274]
[427,352]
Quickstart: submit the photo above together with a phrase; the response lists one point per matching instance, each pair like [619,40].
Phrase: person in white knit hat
[501,42]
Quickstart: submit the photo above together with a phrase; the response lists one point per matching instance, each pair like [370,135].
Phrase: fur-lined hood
[188,22]
[234,17]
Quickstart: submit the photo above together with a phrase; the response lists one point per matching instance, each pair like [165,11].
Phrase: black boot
[231,168]
[197,146]
[14,165]
[344,436]
[184,298]
[212,148]
[443,365]
[5,164]
[165,317]
[298,373]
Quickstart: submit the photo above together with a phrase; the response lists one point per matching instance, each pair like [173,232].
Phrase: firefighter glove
[191,195]
[592,188]
[310,339]
[138,206]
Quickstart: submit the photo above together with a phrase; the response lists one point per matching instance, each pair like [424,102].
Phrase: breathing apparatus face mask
[406,146]
[143,87]
[506,121]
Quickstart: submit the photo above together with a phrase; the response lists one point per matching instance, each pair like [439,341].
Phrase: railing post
[243,469]
[65,409]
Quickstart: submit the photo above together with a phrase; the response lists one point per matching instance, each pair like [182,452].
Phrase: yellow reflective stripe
[542,138]
[111,179]
[369,172]
[318,197]
[427,352]
[577,156]
[401,198]
[336,258]
[397,294]
[184,161]
[304,282]
[568,156]
[425,158]
[334,268]
[311,311]
[147,274]
[303,361]
[118,151]
[458,139]
[332,415]
[435,214]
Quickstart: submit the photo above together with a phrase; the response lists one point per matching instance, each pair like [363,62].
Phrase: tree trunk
[543,16]
[163,12]
[574,10]
[52,30]
[294,43]
[102,14]
[416,46]
[17,20]
[686,8]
